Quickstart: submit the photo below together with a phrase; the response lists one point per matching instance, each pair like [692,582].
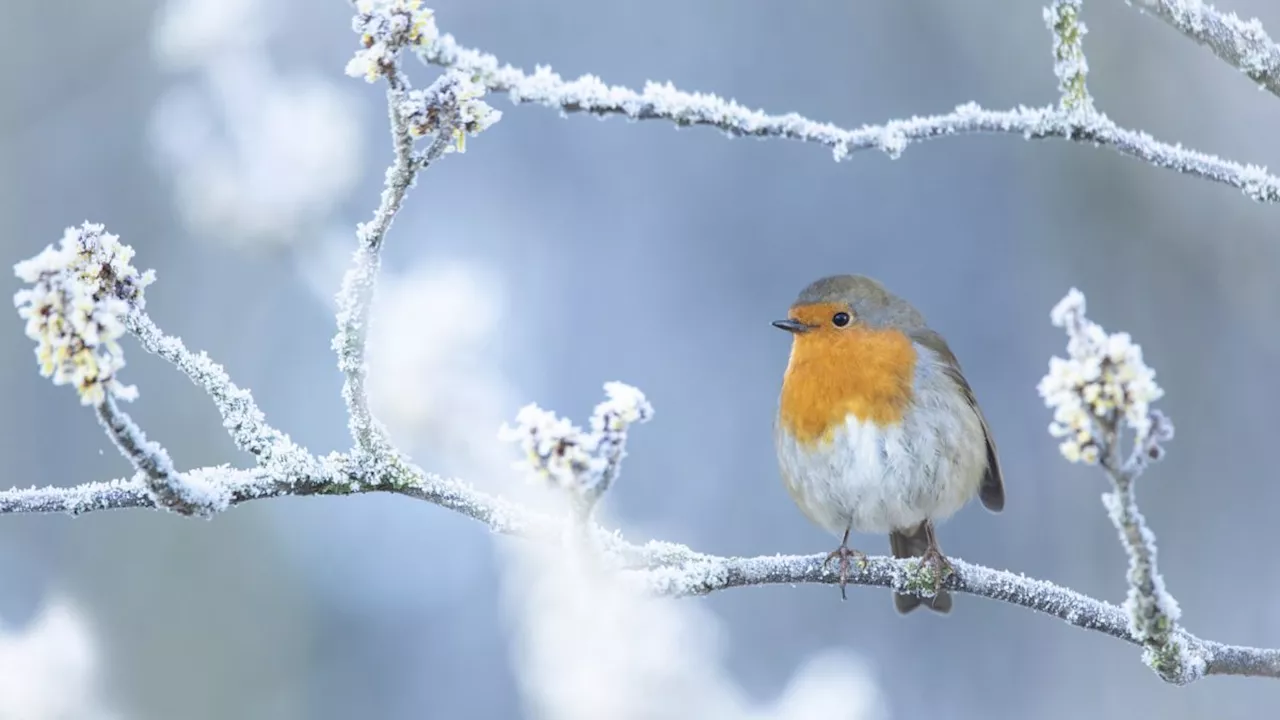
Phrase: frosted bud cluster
[75,310]
[450,104]
[1102,381]
[386,26]
[568,457]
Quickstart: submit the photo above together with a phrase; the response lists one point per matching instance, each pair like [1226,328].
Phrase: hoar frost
[566,456]
[385,26]
[450,103]
[81,292]
[1102,381]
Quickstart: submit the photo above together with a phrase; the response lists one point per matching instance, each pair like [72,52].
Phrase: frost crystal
[1069,63]
[451,103]
[565,456]
[82,291]
[386,26]
[1103,380]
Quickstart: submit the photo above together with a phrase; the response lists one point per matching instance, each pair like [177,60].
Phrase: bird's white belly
[882,479]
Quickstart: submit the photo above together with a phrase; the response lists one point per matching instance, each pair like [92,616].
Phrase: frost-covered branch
[1069,63]
[589,94]
[714,573]
[448,110]
[241,416]
[165,487]
[1101,388]
[1242,43]
[581,464]
[665,568]
[82,293]
[383,32]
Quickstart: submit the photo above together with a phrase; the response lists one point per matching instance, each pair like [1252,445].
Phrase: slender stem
[588,94]
[240,414]
[1243,44]
[356,296]
[164,486]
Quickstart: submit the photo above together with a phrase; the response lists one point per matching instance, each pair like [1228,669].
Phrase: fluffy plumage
[877,430]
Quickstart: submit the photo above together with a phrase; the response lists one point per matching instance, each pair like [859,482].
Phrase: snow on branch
[165,487]
[1243,44]
[1069,63]
[241,416]
[448,110]
[582,464]
[1204,657]
[82,291]
[589,94]
[664,568]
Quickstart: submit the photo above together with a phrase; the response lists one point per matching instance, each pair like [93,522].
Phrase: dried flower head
[75,310]
[1102,382]
[385,27]
[568,457]
[450,104]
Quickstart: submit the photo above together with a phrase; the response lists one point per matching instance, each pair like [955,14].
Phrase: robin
[877,429]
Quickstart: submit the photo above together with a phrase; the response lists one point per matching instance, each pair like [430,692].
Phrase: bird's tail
[913,544]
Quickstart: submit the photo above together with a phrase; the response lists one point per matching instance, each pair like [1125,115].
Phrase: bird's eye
[840,319]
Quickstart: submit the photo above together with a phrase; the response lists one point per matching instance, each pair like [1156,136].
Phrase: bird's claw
[845,554]
[938,564]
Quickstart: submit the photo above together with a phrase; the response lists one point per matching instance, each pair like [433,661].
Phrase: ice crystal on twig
[1241,43]
[583,463]
[1069,63]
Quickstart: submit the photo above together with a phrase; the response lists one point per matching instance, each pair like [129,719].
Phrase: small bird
[877,429]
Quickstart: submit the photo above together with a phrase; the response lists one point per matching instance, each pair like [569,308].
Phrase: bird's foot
[845,555]
[938,564]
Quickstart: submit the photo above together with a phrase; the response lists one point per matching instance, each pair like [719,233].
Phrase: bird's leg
[935,560]
[845,553]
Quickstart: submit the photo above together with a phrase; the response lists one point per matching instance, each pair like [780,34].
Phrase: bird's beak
[792,326]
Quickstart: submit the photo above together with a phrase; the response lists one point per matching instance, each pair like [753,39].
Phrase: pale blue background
[382,607]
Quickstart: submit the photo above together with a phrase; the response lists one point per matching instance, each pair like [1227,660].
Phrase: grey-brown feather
[991,490]
[913,544]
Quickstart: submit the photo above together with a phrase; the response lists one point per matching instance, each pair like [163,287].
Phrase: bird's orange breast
[834,373]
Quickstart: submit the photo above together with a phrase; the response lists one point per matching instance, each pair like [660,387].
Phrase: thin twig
[340,475]
[1151,612]
[588,94]
[240,414]
[1069,62]
[164,486]
[1244,44]
[356,296]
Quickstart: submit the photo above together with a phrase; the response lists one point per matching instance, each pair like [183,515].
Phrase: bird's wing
[991,491]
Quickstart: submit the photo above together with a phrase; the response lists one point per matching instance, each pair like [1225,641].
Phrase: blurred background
[221,139]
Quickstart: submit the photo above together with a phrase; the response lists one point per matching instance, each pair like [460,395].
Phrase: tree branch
[448,110]
[356,296]
[164,486]
[712,574]
[241,416]
[588,94]
[1242,44]
[665,568]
